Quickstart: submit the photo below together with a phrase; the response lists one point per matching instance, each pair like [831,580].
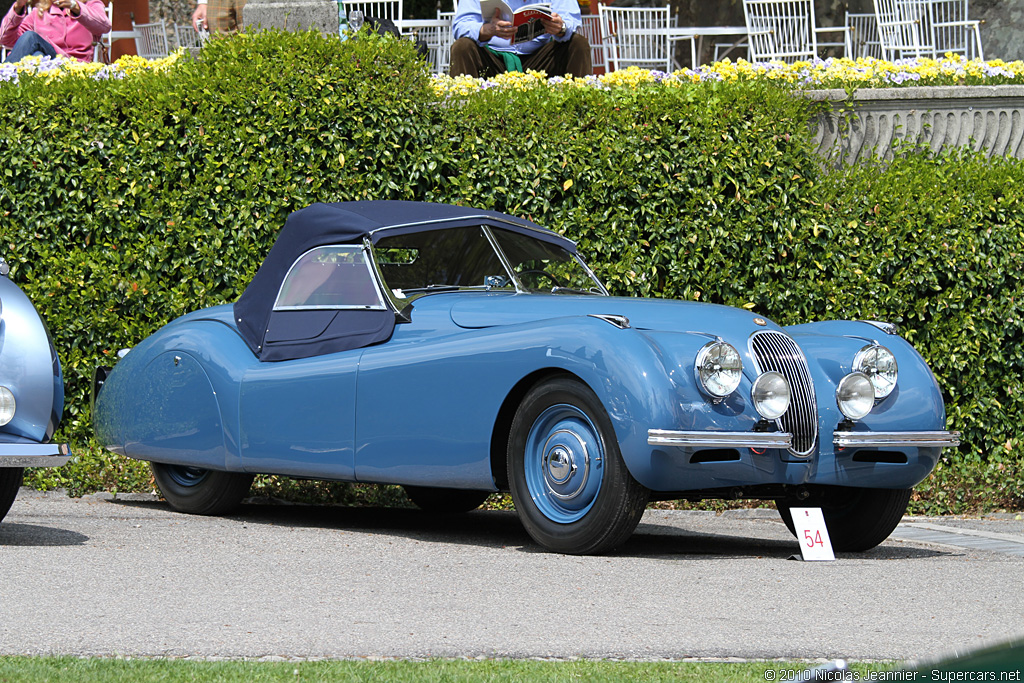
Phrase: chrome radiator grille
[778,352]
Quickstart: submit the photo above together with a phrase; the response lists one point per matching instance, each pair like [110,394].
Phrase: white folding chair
[640,36]
[904,28]
[591,29]
[102,44]
[785,30]
[953,32]
[378,9]
[863,35]
[444,42]
[151,39]
[189,38]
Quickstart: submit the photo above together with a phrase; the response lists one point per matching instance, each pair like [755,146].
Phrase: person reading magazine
[550,41]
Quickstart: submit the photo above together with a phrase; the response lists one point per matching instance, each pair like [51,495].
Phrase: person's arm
[11,28]
[468,21]
[91,14]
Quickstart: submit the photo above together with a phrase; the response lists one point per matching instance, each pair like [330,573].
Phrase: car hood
[494,309]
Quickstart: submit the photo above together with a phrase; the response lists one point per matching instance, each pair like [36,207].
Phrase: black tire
[445,501]
[201,492]
[570,486]
[10,482]
[857,519]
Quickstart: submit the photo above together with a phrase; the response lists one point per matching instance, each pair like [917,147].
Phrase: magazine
[526,19]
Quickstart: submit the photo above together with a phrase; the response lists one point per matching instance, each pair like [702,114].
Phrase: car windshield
[464,258]
[545,267]
[329,277]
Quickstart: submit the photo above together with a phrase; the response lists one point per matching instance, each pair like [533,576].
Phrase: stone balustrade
[291,15]
[874,120]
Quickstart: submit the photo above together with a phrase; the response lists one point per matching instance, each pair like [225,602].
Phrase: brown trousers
[224,16]
[570,57]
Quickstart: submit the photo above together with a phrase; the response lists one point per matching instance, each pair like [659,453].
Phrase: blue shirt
[468,21]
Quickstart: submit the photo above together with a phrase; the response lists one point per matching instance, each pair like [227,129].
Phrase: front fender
[29,367]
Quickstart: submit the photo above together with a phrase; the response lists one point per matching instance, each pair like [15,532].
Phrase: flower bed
[59,67]
[821,73]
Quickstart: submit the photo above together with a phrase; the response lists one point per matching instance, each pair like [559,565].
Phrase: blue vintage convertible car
[31,392]
[459,352]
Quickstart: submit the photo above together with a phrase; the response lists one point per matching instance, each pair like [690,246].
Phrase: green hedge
[126,203]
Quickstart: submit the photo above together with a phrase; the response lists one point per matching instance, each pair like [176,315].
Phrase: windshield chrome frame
[509,270]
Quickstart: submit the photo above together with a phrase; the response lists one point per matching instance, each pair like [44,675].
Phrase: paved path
[96,576]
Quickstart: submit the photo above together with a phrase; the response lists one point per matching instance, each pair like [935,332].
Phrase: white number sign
[812,533]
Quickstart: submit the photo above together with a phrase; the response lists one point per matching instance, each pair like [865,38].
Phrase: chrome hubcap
[563,463]
[562,451]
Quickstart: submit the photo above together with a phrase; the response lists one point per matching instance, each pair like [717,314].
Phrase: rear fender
[174,397]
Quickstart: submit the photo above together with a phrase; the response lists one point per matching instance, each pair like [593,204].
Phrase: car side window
[437,260]
[329,277]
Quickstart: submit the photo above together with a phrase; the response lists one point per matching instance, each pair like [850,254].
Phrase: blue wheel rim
[186,476]
[564,463]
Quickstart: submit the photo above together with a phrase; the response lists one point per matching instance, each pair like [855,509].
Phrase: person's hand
[497,28]
[199,18]
[19,6]
[555,25]
[71,6]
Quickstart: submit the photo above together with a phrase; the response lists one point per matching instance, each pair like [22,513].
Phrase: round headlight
[855,395]
[7,406]
[770,395]
[719,368]
[878,363]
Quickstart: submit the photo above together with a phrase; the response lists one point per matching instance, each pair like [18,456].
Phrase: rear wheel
[857,519]
[445,501]
[570,486]
[10,482]
[199,491]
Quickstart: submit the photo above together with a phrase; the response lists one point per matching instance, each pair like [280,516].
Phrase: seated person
[483,45]
[52,27]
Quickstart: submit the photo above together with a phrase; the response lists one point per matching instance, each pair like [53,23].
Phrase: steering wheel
[554,280]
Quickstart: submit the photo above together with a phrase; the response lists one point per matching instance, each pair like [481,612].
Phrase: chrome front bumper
[940,439]
[34,454]
[668,437]
[761,440]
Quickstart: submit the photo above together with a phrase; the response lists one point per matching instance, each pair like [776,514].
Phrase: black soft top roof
[347,223]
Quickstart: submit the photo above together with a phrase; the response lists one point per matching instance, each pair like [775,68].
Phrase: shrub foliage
[126,203]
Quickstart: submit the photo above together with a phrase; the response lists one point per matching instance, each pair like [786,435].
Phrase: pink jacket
[71,36]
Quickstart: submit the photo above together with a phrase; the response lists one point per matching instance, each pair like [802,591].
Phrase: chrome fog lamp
[855,395]
[878,363]
[770,395]
[7,406]
[719,368]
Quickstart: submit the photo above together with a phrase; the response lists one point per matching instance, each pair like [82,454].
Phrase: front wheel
[10,482]
[199,491]
[570,486]
[857,519]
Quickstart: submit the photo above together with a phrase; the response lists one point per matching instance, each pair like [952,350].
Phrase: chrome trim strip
[942,439]
[669,437]
[619,321]
[474,217]
[34,454]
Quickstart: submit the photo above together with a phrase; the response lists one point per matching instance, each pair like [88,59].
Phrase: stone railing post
[291,15]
